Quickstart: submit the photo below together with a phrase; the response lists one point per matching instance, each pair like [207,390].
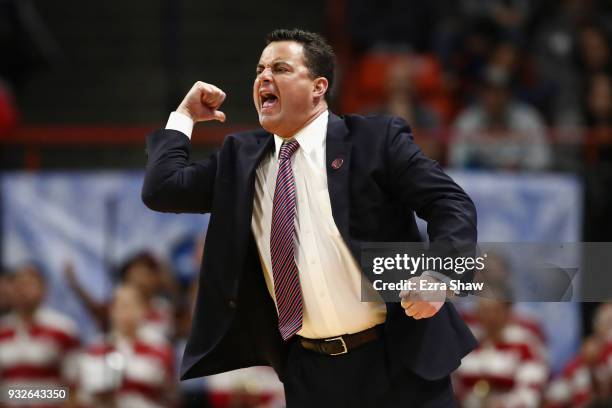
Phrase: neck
[27,315]
[129,333]
[318,110]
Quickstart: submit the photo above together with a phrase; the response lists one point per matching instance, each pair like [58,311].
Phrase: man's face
[127,309]
[493,315]
[142,277]
[495,100]
[29,289]
[284,92]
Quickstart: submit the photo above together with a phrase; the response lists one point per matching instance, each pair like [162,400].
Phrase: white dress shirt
[330,277]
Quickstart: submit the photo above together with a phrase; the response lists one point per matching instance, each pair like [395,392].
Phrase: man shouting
[290,205]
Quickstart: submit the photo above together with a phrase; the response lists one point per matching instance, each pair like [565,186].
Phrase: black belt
[335,346]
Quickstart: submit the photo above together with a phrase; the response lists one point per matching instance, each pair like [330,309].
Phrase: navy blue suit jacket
[384,180]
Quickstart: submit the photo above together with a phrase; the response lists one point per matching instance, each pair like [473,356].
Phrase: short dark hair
[319,56]
[144,257]
[32,265]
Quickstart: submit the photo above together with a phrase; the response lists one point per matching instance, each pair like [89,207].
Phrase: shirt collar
[309,137]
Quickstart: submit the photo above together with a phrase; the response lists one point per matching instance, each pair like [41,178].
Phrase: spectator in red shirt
[587,378]
[128,367]
[507,369]
[38,346]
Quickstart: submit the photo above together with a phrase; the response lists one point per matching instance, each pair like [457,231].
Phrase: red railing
[33,138]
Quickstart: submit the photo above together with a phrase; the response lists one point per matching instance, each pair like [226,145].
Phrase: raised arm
[172,183]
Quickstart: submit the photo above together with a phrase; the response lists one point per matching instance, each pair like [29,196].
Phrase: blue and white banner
[92,220]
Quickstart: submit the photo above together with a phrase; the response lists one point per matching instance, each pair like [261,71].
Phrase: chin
[268,123]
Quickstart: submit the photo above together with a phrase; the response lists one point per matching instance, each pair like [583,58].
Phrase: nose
[265,75]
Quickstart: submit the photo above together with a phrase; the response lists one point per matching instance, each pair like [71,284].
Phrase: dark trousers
[358,378]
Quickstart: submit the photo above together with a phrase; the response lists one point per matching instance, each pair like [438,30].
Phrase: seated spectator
[594,54]
[598,114]
[591,68]
[127,368]
[38,346]
[156,284]
[497,278]
[507,369]
[401,99]
[587,378]
[498,132]
[145,273]
[555,46]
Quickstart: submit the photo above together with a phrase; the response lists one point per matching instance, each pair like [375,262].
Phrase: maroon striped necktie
[282,246]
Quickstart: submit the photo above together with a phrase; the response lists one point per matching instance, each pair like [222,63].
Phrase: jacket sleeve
[171,183]
[421,184]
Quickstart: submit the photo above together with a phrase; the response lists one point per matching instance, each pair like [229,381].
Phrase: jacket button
[232,304]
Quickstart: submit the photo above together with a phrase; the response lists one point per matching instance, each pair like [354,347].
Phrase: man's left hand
[425,300]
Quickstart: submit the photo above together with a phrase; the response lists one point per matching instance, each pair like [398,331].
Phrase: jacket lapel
[253,154]
[248,158]
[337,164]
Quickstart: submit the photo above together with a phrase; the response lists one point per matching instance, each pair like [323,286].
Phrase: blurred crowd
[133,362]
[496,84]
[511,367]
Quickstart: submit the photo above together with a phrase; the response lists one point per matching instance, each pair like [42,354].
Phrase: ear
[319,87]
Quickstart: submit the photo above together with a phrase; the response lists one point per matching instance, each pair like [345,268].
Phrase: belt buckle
[343,346]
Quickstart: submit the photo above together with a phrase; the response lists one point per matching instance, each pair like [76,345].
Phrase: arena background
[82,83]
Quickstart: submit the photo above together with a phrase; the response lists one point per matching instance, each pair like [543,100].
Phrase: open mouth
[268,100]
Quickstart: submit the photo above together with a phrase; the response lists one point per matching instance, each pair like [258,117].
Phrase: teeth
[267,95]
[267,99]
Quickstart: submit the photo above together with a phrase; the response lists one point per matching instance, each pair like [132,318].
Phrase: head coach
[290,205]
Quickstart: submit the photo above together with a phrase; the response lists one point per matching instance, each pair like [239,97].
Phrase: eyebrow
[275,62]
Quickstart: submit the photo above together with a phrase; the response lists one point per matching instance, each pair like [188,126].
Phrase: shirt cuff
[179,122]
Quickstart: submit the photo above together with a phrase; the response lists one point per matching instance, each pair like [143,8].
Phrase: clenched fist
[425,300]
[202,103]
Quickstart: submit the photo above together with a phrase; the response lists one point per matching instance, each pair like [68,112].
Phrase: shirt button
[321,295]
[308,231]
[232,304]
[312,262]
